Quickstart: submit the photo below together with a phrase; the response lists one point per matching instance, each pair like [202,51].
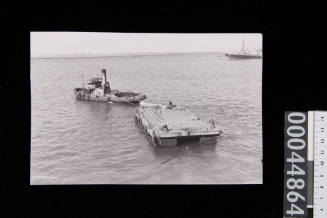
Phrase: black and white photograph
[146,108]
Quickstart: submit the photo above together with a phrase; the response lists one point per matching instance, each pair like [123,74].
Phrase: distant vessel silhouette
[243,54]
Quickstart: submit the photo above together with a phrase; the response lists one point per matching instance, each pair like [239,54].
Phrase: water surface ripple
[77,142]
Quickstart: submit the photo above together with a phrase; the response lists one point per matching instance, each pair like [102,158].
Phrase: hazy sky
[66,43]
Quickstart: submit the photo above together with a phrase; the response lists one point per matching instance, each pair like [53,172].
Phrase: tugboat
[172,125]
[98,89]
[244,54]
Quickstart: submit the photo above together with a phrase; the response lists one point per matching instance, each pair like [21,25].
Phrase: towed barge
[98,89]
[172,125]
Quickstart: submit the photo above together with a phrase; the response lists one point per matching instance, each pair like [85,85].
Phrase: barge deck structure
[172,125]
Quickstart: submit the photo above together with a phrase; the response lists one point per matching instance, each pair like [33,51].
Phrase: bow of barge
[172,125]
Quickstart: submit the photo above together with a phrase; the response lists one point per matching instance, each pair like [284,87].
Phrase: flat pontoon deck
[168,126]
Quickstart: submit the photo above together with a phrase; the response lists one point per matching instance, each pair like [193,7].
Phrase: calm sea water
[77,142]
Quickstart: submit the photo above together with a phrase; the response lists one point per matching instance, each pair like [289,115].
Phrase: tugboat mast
[83,81]
[243,48]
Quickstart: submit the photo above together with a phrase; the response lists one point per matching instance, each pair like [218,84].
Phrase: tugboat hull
[89,98]
[111,98]
[98,89]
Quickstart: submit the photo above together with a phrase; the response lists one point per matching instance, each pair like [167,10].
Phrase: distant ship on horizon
[243,54]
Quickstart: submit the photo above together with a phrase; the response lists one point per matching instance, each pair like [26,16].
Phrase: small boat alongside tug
[172,125]
[98,89]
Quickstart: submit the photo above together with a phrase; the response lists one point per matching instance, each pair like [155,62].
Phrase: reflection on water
[83,142]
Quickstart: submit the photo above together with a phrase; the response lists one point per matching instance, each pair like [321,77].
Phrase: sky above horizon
[74,43]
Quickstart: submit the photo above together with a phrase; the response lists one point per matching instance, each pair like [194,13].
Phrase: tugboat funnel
[105,83]
[104,77]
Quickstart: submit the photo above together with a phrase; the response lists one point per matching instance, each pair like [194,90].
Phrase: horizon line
[90,55]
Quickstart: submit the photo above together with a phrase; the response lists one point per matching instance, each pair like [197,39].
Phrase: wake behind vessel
[98,89]
[243,54]
[172,125]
